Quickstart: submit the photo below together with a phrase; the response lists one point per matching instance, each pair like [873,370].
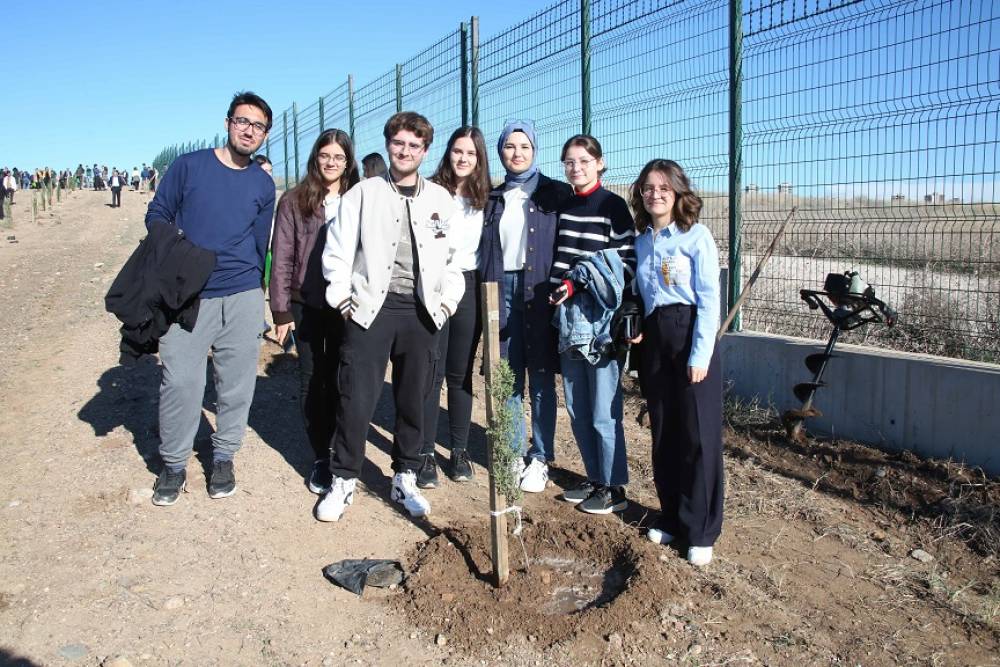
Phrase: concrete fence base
[935,407]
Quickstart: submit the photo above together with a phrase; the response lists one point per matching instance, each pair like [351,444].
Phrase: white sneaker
[699,556]
[518,468]
[405,491]
[658,536]
[535,477]
[336,500]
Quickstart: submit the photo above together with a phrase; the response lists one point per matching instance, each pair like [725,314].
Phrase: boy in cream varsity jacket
[388,261]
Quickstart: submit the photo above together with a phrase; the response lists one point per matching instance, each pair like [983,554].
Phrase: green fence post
[585,66]
[474,72]
[735,153]
[463,70]
[295,138]
[350,104]
[322,124]
[284,138]
[399,88]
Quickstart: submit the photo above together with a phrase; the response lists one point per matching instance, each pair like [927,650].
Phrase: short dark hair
[252,99]
[587,143]
[412,122]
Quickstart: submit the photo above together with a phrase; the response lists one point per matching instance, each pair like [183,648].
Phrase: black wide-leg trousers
[686,423]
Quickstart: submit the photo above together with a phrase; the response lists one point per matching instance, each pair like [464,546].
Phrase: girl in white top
[464,172]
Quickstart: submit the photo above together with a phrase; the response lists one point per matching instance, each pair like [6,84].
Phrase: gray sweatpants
[231,327]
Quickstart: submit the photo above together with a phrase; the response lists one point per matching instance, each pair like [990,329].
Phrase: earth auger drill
[852,304]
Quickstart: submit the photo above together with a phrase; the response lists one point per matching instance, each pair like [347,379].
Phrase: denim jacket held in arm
[584,320]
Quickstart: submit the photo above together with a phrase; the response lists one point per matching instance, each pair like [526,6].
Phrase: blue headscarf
[528,127]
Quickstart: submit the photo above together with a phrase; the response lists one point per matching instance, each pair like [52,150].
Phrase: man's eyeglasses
[650,190]
[584,163]
[331,159]
[399,144]
[242,123]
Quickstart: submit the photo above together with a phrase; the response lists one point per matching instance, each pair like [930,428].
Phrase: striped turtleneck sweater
[592,221]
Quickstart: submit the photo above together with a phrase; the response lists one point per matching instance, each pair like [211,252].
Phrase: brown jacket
[296,259]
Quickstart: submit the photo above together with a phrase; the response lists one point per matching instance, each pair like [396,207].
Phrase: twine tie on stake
[516,511]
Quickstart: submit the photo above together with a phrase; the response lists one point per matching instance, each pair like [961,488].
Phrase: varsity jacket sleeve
[341,246]
[282,262]
[452,280]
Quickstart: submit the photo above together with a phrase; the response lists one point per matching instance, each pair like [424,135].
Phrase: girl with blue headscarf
[516,251]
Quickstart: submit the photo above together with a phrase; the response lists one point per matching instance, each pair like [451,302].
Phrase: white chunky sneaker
[405,492]
[535,477]
[659,536]
[336,500]
[699,556]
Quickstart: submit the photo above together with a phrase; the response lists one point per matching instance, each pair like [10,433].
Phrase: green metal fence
[878,119]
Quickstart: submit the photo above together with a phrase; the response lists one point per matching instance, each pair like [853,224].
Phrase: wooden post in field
[34,206]
[491,357]
[41,195]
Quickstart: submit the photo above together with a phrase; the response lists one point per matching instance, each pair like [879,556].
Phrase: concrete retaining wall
[936,407]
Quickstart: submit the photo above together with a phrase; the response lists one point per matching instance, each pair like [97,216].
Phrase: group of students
[387,268]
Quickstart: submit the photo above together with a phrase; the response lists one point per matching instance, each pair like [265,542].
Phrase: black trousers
[116,196]
[319,333]
[403,333]
[457,345]
[686,422]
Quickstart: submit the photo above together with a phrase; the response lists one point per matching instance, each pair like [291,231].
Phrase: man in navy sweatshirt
[222,201]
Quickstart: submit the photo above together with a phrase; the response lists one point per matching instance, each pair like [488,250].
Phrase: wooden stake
[491,357]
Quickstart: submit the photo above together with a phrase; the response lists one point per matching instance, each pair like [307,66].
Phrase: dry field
[817,565]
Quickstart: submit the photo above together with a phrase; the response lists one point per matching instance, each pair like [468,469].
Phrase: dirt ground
[815,566]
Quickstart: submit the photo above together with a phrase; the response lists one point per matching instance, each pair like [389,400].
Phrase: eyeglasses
[242,123]
[399,145]
[650,190]
[331,159]
[584,163]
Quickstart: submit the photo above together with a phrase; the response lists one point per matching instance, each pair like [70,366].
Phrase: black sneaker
[605,500]
[321,478]
[168,487]
[578,493]
[461,469]
[427,476]
[223,482]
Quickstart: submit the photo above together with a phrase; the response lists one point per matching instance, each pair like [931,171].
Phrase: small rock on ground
[120,661]
[173,603]
[73,651]
[921,555]
[440,640]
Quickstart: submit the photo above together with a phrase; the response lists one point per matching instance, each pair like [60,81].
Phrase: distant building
[934,198]
[784,188]
[752,187]
[899,196]
[956,200]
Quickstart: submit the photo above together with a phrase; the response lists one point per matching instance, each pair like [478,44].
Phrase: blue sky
[115,84]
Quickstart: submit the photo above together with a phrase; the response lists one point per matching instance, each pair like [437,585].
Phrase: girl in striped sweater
[594,219]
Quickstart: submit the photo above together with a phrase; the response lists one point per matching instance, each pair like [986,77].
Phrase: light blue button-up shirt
[682,267]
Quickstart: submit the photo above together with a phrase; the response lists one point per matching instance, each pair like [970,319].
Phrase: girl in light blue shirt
[677,275]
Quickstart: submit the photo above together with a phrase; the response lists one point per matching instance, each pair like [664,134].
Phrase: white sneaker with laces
[659,536]
[336,500]
[535,477]
[405,492]
[699,556]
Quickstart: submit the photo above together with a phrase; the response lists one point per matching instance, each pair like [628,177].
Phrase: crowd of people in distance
[97,178]
[372,264]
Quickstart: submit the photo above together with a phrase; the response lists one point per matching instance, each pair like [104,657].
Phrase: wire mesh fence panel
[660,90]
[532,71]
[432,86]
[374,103]
[879,121]
[336,111]
[309,129]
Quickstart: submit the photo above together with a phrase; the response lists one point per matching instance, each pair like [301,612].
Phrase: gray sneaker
[578,493]
[223,481]
[168,487]
[605,500]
